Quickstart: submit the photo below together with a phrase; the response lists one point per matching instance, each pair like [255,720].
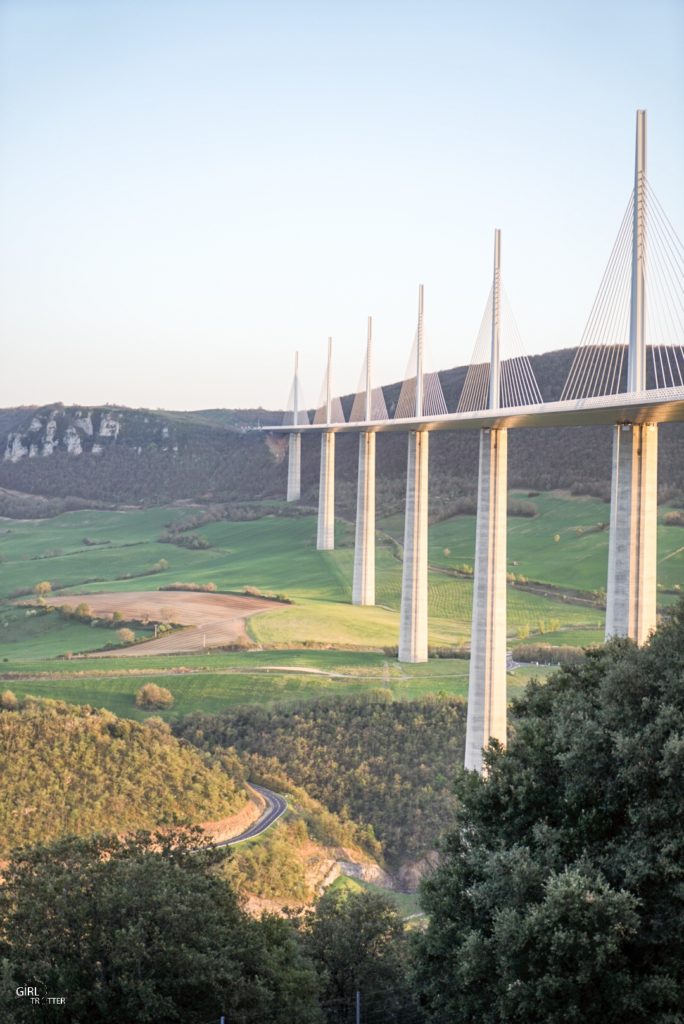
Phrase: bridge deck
[665,406]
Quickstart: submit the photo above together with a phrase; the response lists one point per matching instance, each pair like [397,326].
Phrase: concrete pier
[294,467]
[413,630]
[363,587]
[325,537]
[631,595]
[631,590]
[487,683]
[486,689]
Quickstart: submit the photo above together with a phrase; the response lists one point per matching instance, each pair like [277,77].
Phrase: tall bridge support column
[631,596]
[413,630]
[487,682]
[325,537]
[294,467]
[363,588]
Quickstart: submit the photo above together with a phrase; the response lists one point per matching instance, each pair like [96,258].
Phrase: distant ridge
[113,455]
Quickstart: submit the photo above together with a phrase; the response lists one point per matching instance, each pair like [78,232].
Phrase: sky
[191,190]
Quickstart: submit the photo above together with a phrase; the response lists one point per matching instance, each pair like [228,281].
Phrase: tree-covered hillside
[382,763]
[115,455]
[70,770]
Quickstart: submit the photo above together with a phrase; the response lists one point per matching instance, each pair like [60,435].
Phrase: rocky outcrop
[15,449]
[410,875]
[72,441]
[366,871]
[323,865]
[84,431]
[84,422]
[109,427]
[50,439]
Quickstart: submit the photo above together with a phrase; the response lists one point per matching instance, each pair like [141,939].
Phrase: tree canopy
[386,764]
[76,770]
[143,930]
[357,942]
[560,896]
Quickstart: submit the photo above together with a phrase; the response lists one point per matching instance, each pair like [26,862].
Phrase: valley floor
[115,562]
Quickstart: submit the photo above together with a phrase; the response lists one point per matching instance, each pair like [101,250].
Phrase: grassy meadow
[407,903]
[563,547]
[214,681]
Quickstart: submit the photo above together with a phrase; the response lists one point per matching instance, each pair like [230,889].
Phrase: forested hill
[382,763]
[113,455]
[69,770]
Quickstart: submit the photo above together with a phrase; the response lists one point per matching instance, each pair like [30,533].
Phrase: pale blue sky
[191,190]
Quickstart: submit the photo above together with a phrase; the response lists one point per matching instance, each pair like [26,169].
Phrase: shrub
[548,654]
[209,588]
[126,636]
[674,518]
[43,588]
[153,697]
[158,724]
[192,541]
[582,531]
[524,509]
[9,701]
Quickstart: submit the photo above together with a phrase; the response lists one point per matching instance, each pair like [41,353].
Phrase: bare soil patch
[214,619]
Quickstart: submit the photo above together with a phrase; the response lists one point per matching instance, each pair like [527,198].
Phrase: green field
[211,682]
[276,554]
[577,559]
[84,552]
[407,903]
[318,645]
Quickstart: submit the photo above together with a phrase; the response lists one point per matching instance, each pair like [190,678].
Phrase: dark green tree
[142,929]
[560,896]
[357,941]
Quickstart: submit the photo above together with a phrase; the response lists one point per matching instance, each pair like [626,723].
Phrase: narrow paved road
[275,808]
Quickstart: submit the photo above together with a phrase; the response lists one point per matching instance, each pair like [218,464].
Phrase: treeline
[14,505]
[76,770]
[385,764]
[548,654]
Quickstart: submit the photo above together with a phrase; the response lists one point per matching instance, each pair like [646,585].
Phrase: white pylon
[495,360]
[636,365]
[419,353]
[363,585]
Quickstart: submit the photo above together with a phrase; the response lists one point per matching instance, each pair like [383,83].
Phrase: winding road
[275,808]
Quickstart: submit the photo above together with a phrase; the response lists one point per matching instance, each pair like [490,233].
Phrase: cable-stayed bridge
[628,373]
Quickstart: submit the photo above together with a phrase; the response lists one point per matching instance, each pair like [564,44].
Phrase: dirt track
[214,619]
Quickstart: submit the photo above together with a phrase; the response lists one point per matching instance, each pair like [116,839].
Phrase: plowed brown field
[213,620]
